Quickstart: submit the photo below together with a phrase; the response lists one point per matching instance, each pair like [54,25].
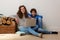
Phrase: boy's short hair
[33,9]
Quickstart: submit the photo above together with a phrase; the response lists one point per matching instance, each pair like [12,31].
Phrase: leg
[35,27]
[44,31]
[40,24]
[30,30]
[22,30]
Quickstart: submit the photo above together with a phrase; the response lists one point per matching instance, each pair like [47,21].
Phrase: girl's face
[22,9]
[33,13]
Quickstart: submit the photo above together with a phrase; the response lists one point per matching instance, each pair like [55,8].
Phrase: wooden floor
[29,37]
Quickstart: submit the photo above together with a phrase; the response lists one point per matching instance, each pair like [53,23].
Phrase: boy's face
[33,13]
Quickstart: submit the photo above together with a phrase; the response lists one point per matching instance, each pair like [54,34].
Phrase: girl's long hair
[20,14]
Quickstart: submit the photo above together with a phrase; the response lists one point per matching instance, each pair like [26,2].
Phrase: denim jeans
[41,30]
[39,27]
[44,31]
[27,30]
[40,23]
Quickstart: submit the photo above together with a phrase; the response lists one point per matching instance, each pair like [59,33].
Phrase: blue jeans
[40,23]
[41,30]
[27,30]
[39,27]
[44,31]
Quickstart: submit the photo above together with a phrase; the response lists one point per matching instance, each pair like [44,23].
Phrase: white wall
[50,10]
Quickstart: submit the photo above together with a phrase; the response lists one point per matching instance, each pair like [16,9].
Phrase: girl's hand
[16,20]
[31,17]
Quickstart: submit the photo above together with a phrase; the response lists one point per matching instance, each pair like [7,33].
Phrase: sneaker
[22,34]
[54,32]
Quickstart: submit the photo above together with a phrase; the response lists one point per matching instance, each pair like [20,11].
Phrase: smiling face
[22,9]
[33,13]
[22,12]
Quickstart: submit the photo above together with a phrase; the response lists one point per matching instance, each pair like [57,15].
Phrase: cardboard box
[29,22]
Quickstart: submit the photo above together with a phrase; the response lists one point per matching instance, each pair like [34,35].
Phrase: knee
[39,29]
